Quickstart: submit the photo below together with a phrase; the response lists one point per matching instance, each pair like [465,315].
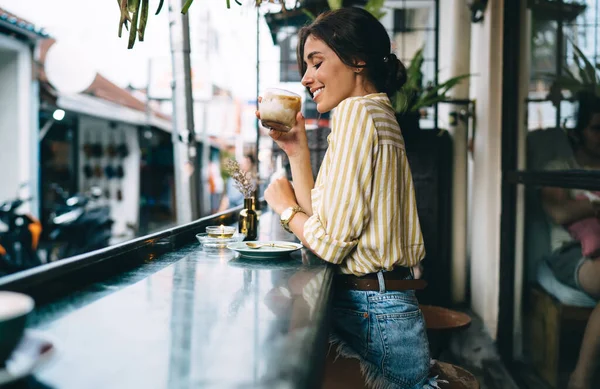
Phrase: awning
[100,108]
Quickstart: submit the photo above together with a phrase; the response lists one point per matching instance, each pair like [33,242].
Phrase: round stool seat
[441,322]
[457,377]
[440,319]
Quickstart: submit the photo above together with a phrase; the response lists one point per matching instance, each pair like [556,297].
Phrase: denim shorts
[565,263]
[386,332]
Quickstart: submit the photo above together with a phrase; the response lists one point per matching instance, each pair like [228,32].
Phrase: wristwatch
[287,215]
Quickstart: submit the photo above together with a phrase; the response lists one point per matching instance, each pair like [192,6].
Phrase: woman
[565,207]
[360,214]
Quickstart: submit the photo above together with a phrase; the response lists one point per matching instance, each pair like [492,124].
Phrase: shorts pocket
[351,328]
[406,349]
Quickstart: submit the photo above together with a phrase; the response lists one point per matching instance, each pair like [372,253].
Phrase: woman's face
[591,137]
[329,79]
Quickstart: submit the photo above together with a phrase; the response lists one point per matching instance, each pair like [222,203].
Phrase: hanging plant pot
[555,10]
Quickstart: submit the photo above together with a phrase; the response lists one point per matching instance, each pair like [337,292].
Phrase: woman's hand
[280,195]
[294,142]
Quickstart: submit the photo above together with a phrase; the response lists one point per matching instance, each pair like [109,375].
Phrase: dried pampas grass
[245,182]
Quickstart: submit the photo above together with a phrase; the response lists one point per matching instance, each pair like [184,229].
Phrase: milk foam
[272,109]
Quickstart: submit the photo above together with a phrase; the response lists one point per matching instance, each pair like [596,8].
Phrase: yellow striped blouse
[364,207]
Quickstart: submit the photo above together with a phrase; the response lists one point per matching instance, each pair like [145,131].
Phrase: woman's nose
[306,79]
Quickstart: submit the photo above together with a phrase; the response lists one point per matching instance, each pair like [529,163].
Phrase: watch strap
[286,223]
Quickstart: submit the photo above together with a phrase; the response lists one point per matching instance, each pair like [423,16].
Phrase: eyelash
[317,65]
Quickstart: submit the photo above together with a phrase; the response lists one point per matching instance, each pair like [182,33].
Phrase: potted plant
[583,75]
[414,97]
[556,10]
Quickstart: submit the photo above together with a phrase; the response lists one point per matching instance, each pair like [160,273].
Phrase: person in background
[360,214]
[233,197]
[565,207]
[216,185]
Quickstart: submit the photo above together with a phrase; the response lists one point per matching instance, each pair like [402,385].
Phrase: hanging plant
[134,15]
[414,96]
[583,75]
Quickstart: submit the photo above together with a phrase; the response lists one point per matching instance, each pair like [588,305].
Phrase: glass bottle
[248,220]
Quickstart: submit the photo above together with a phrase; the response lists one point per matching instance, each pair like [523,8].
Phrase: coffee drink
[278,109]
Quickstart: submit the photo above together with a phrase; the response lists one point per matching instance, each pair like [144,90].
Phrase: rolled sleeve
[324,245]
[343,211]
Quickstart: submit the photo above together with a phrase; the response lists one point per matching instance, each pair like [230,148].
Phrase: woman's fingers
[275,135]
[300,123]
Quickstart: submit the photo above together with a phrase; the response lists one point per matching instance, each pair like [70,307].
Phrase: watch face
[285,215]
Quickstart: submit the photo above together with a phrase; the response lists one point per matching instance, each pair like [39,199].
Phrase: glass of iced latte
[278,109]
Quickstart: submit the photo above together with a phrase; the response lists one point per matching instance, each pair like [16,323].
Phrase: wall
[486,88]
[18,122]
[454,60]
[126,211]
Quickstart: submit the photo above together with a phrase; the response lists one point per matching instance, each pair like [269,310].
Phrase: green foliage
[335,4]
[373,6]
[413,96]
[582,76]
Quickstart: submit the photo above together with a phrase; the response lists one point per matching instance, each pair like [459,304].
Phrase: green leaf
[438,93]
[587,71]
[186,6]
[569,73]
[413,96]
[374,7]
[568,83]
[335,4]
[310,15]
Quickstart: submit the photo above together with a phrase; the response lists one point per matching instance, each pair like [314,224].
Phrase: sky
[91,28]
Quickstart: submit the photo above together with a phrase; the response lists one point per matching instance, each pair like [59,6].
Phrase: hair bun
[396,74]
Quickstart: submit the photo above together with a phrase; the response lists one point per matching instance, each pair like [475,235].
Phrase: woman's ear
[359,65]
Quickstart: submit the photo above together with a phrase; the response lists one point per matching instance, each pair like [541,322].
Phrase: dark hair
[356,35]
[589,104]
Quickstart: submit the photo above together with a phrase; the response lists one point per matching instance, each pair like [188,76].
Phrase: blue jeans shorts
[386,332]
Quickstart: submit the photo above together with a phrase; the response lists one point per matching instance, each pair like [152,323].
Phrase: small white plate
[264,252]
[34,349]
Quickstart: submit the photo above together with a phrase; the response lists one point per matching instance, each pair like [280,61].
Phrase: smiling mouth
[317,93]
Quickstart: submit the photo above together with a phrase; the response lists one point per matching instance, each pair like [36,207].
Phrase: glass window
[561,227]
[556,305]
[560,223]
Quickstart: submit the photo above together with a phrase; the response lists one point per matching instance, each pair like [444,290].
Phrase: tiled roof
[16,25]
[101,87]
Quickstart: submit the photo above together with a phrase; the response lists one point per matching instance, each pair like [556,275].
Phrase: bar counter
[158,312]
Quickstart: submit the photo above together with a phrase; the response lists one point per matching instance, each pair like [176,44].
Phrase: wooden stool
[457,377]
[555,334]
[441,323]
[344,373]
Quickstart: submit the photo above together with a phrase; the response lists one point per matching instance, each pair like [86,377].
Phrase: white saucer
[265,252]
[34,350]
